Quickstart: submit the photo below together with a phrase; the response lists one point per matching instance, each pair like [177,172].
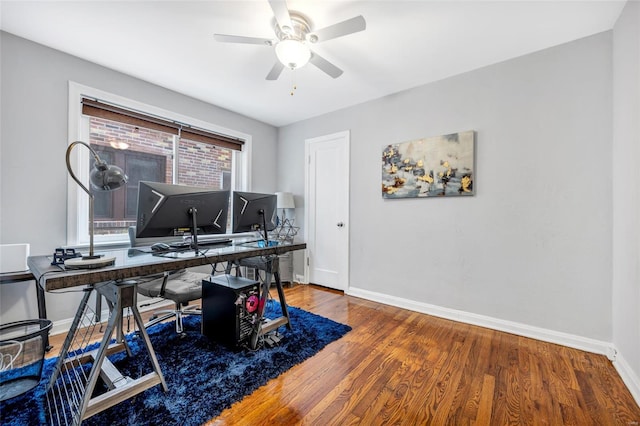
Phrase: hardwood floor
[402,367]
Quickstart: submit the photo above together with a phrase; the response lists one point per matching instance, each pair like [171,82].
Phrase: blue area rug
[203,377]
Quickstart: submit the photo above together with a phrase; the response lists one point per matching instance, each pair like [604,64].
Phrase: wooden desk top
[141,261]
[14,277]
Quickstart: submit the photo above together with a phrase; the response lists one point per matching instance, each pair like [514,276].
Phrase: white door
[327,212]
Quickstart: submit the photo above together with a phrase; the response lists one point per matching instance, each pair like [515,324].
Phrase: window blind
[96,108]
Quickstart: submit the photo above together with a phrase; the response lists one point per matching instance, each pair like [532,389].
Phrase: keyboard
[214,242]
[180,245]
[201,243]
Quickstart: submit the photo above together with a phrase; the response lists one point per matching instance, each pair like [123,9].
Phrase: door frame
[346,138]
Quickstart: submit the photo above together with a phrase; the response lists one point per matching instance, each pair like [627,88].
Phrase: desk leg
[271,270]
[114,319]
[70,337]
[98,307]
[264,295]
[42,311]
[70,397]
[283,302]
[120,338]
[42,306]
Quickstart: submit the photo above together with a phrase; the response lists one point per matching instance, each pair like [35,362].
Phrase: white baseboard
[628,376]
[63,326]
[546,335]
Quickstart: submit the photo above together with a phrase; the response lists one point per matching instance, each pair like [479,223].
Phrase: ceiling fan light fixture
[293,53]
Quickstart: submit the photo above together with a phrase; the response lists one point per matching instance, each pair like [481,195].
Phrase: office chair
[181,287]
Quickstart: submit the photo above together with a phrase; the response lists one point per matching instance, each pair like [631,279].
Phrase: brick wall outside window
[200,164]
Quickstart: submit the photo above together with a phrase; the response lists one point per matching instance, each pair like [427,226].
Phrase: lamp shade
[293,53]
[285,200]
[107,178]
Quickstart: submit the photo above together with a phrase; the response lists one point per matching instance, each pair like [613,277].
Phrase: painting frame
[437,166]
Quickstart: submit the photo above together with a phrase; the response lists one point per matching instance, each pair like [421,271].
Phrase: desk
[111,282]
[14,277]
[132,263]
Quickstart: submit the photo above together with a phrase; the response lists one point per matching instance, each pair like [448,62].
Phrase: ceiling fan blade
[325,65]
[225,38]
[281,12]
[275,71]
[340,29]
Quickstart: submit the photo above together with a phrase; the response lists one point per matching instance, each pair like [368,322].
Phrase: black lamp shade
[107,178]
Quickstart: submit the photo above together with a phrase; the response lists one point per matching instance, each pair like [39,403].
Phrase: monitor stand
[264,227]
[194,229]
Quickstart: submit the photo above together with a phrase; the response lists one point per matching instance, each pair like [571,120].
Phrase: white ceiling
[406,44]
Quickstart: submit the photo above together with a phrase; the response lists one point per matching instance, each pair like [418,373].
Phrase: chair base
[178,312]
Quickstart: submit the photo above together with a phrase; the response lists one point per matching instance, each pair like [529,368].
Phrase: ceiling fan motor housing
[300,31]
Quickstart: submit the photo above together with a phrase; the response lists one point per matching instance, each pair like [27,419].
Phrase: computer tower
[229,308]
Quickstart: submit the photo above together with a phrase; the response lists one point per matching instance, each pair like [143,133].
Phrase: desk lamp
[284,201]
[103,178]
[286,231]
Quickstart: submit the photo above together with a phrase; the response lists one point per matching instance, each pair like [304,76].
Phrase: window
[115,211]
[148,144]
[147,154]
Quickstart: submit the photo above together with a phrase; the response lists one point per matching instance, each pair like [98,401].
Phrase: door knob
[340,224]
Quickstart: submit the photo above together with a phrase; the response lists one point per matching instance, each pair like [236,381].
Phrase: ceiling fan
[294,35]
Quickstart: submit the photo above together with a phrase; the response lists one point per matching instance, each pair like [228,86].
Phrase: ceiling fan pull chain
[294,86]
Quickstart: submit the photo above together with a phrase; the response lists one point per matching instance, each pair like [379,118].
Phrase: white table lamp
[285,230]
[285,201]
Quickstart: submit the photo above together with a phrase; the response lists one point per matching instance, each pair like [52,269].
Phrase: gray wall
[626,188]
[34,137]
[534,245]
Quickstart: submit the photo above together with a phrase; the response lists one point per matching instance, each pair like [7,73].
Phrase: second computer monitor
[254,212]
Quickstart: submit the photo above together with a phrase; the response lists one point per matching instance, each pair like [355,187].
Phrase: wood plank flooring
[401,367]
[406,368]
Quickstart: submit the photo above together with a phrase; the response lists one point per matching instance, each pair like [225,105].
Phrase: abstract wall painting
[441,166]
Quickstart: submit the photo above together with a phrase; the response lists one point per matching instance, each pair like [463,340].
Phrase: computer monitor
[170,210]
[254,212]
